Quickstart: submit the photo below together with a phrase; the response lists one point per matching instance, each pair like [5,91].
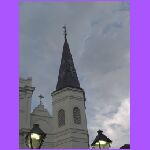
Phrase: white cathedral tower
[67,128]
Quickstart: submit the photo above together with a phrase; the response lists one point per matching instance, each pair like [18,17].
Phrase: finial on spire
[65,32]
[40,96]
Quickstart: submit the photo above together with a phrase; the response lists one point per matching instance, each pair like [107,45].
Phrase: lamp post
[35,138]
[101,141]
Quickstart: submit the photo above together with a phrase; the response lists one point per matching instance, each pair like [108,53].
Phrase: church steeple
[67,72]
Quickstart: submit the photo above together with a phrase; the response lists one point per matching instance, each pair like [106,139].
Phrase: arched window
[61,118]
[76,115]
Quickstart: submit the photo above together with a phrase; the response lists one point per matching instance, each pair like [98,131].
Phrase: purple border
[140,74]
[9,74]
[74,0]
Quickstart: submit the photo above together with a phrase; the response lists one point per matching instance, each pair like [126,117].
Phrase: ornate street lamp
[101,141]
[35,138]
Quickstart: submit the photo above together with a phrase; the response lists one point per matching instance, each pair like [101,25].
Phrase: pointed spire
[67,72]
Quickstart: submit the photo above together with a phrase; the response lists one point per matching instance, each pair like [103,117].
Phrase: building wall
[41,116]
[68,136]
[25,96]
[67,99]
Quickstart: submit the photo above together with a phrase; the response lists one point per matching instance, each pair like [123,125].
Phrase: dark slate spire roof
[67,72]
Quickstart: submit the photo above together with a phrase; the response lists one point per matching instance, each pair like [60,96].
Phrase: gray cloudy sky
[98,35]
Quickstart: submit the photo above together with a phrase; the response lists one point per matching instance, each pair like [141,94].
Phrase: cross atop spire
[65,32]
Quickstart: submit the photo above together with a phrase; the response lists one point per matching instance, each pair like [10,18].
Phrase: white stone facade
[71,133]
[25,97]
